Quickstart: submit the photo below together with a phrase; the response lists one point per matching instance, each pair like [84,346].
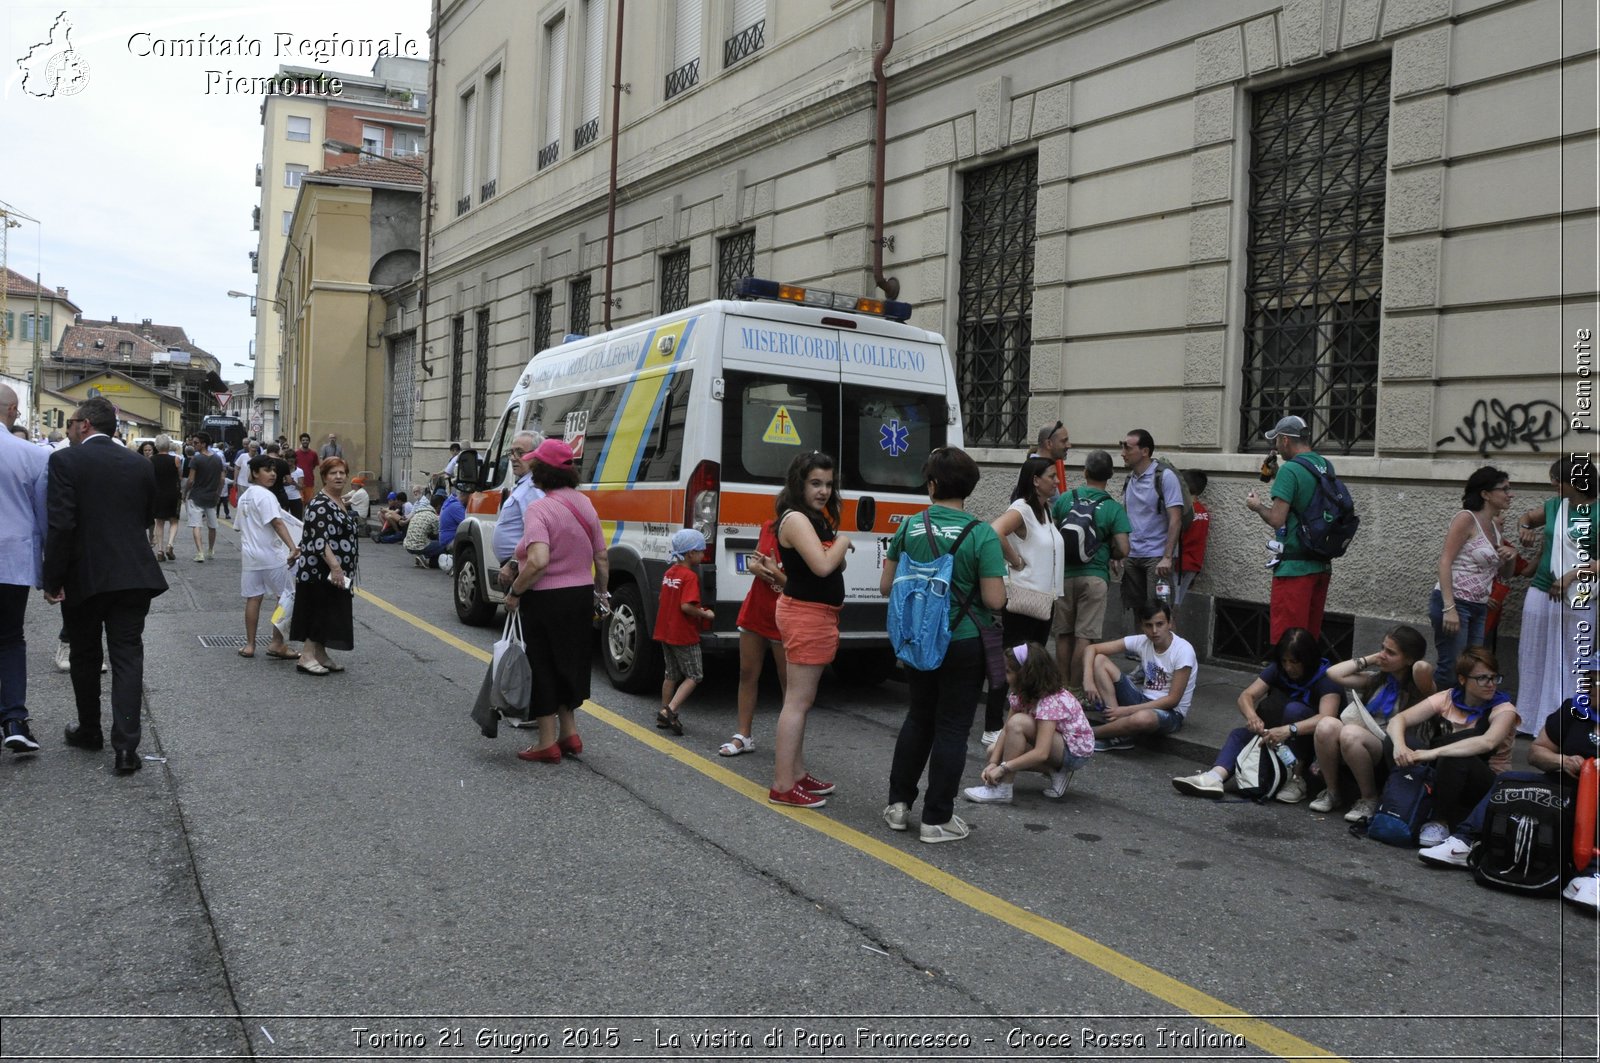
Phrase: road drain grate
[228,642]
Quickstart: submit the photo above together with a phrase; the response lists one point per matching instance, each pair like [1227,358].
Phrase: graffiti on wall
[1496,425]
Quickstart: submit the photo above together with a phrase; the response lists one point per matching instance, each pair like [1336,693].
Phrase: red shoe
[813,785]
[550,754]
[797,797]
[571,745]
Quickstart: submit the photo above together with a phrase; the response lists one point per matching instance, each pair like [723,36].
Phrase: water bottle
[1286,755]
[1164,591]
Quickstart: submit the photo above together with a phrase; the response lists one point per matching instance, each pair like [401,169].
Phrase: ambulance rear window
[887,437]
[766,421]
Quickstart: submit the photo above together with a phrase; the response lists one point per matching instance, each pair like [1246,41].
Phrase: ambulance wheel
[472,603]
[633,661]
[864,668]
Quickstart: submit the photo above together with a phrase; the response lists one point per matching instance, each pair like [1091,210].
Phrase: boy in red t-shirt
[679,620]
[1192,547]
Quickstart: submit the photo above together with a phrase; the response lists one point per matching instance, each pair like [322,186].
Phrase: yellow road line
[1260,1033]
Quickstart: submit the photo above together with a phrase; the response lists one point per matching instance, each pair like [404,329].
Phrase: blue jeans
[937,725]
[13,653]
[1239,737]
[1448,646]
[1168,722]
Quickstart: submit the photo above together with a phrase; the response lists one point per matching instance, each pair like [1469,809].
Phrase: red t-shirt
[674,627]
[307,461]
[759,613]
[1192,546]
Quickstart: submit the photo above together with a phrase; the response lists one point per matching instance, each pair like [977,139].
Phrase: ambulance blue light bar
[756,288]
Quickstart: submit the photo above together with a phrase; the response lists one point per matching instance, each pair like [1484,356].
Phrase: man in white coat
[23,521]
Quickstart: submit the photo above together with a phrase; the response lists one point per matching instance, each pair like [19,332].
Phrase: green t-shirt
[1296,483]
[980,556]
[1109,519]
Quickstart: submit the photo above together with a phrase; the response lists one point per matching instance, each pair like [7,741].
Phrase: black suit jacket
[100,499]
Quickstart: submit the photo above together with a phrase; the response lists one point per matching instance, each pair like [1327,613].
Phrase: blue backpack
[1329,523]
[919,602]
[1405,806]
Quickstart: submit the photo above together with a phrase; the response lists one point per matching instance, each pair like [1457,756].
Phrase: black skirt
[558,626]
[322,613]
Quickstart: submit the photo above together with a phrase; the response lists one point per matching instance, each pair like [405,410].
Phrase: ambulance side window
[553,415]
[887,437]
[766,421]
[492,470]
[602,407]
[661,456]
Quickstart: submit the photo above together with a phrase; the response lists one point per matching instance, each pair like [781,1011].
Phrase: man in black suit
[98,565]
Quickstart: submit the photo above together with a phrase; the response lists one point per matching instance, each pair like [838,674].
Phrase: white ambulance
[692,418]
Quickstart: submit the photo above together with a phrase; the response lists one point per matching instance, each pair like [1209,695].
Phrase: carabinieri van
[692,419]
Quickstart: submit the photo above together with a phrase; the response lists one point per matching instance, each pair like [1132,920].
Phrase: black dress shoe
[128,762]
[77,736]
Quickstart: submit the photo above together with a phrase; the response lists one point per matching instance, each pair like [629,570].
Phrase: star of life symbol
[894,437]
[53,67]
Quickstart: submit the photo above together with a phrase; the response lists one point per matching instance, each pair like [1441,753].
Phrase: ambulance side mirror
[866,513]
[467,469]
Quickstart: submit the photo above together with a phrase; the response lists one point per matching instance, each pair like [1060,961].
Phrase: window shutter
[686,35]
[491,127]
[555,77]
[469,143]
[747,13]
[594,46]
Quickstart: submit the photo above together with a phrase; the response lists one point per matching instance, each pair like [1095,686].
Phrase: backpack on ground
[1329,522]
[1078,530]
[1522,846]
[919,602]
[1258,773]
[1406,804]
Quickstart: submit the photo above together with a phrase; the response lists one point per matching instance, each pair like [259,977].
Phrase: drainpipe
[890,286]
[611,190]
[427,193]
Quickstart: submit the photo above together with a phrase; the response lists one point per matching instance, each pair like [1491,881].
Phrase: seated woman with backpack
[1465,733]
[1400,678]
[1282,706]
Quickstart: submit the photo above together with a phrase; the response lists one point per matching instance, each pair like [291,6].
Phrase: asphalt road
[343,868]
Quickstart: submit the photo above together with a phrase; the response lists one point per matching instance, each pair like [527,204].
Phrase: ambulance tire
[632,658]
[864,668]
[472,601]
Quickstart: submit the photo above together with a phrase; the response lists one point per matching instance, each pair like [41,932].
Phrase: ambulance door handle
[866,513]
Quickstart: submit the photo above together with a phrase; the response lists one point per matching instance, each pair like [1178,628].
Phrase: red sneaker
[813,785]
[797,797]
[550,754]
[571,745]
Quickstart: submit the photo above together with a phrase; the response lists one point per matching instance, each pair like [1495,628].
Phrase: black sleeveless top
[803,585]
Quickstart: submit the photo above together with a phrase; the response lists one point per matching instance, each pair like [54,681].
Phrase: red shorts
[1297,601]
[810,631]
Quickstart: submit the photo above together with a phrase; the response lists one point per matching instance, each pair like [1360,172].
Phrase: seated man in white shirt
[1167,670]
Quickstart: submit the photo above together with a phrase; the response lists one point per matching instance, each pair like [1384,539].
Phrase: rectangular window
[491,135]
[685,48]
[298,128]
[293,174]
[887,435]
[372,139]
[661,453]
[543,319]
[404,143]
[288,220]
[594,63]
[1314,278]
[994,316]
[749,31]
[28,329]
[578,306]
[674,281]
[469,151]
[736,260]
[480,376]
[555,81]
[768,420]
[458,344]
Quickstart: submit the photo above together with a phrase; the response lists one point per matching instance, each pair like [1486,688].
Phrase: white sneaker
[1432,833]
[989,738]
[63,657]
[1363,809]
[1583,891]
[1060,779]
[1292,792]
[1325,802]
[1204,784]
[989,795]
[895,815]
[953,831]
[1452,852]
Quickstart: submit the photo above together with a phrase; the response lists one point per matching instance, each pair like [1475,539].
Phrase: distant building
[157,357]
[33,321]
[385,113]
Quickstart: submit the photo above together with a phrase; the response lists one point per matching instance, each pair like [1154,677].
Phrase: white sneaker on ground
[1584,891]
[895,815]
[1292,792]
[1452,852]
[953,831]
[1362,809]
[63,657]
[1432,833]
[1204,784]
[989,795]
[1326,801]
[989,738]
[1060,779]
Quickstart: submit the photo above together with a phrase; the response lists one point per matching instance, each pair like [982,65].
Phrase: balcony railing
[549,153]
[745,43]
[486,192]
[463,204]
[586,134]
[682,79]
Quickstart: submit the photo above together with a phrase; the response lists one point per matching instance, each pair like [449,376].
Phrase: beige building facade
[1191,216]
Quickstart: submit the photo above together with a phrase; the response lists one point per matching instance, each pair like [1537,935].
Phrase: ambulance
[692,418]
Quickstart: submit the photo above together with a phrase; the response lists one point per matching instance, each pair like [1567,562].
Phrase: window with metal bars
[480,377]
[749,31]
[458,344]
[1314,280]
[994,327]
[543,319]
[1242,631]
[736,260]
[674,281]
[578,306]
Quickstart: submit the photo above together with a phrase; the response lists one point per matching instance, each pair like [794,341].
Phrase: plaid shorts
[683,662]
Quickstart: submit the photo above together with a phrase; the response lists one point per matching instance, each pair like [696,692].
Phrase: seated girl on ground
[1046,731]
[1282,705]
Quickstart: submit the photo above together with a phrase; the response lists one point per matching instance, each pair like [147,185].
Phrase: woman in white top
[1475,551]
[1036,556]
[1558,614]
